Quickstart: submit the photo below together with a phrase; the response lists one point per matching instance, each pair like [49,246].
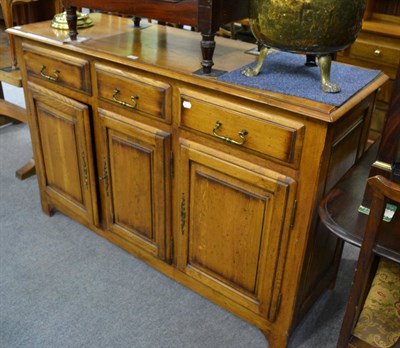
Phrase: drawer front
[253,129]
[376,52]
[134,92]
[60,69]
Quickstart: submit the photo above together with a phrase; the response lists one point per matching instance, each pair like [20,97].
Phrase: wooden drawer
[59,69]
[235,123]
[134,92]
[377,51]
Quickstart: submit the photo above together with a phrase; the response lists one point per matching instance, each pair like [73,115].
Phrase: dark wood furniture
[339,212]
[128,147]
[382,190]
[378,47]
[338,209]
[206,16]
[388,158]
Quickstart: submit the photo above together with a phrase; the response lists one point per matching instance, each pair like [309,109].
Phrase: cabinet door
[134,169]
[234,226]
[62,137]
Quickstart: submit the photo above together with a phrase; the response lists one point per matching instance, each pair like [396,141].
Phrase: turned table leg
[207,51]
[72,20]
[136,22]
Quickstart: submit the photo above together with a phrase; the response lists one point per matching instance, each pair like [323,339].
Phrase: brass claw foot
[251,72]
[325,63]
[329,87]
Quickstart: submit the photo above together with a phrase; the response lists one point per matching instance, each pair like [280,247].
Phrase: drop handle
[242,134]
[134,99]
[48,77]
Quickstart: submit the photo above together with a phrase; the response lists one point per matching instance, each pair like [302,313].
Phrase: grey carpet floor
[61,285]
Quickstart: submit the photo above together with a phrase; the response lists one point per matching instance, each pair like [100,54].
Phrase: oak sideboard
[212,183]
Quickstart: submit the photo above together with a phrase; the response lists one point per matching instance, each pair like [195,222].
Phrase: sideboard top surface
[175,53]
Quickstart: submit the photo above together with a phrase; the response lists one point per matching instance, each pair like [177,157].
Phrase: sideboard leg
[46,207]
[72,19]
[275,340]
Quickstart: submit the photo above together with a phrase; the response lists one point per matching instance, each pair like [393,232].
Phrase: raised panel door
[134,173]
[234,222]
[62,139]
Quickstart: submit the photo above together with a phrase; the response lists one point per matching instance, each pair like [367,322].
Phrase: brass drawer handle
[134,99]
[377,53]
[48,77]
[242,135]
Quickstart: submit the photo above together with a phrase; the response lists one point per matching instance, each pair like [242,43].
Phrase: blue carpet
[286,73]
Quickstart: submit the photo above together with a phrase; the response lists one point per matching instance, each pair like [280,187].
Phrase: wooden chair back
[382,190]
[46,9]
[383,185]
[7,8]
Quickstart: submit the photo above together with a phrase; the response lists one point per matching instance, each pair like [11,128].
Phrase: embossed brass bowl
[312,27]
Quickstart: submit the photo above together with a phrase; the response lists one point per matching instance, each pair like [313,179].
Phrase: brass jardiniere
[317,28]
